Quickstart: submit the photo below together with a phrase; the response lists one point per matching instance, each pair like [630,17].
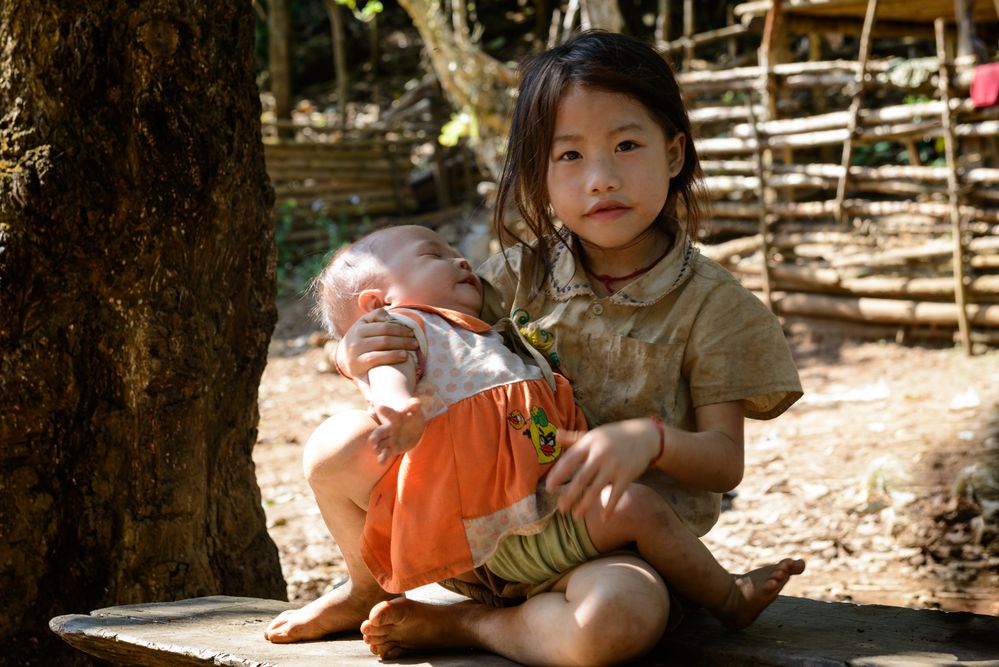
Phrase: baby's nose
[463,263]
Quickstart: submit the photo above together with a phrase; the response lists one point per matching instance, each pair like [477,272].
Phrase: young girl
[618,297]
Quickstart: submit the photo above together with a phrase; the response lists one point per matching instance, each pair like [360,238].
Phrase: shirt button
[597,309]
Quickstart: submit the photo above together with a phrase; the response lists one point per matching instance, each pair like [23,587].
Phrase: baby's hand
[398,430]
[372,341]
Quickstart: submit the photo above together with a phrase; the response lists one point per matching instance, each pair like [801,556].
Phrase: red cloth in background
[985,85]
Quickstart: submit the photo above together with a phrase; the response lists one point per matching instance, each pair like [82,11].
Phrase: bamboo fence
[331,182]
[797,217]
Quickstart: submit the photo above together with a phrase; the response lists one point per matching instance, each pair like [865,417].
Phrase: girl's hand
[373,341]
[613,455]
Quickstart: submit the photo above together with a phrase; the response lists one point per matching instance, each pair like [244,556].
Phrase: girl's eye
[569,156]
[626,146]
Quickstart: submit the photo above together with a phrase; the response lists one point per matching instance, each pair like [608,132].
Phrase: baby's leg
[342,469]
[646,519]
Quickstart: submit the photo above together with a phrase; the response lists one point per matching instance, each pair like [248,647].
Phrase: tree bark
[278,58]
[136,304]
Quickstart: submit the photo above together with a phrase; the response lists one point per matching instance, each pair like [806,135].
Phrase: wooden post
[339,61]
[279,61]
[765,195]
[964,18]
[953,188]
[663,22]
[688,34]
[858,97]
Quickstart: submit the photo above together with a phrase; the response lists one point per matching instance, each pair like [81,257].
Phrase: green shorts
[526,565]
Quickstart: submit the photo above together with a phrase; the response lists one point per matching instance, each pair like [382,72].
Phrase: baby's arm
[401,424]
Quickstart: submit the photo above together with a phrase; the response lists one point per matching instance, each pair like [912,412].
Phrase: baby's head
[395,266]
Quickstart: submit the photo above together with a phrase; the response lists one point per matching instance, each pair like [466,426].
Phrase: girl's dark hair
[604,61]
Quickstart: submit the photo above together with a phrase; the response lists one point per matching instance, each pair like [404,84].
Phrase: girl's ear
[370,299]
[676,149]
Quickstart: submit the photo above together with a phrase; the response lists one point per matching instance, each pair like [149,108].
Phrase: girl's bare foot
[401,626]
[339,610]
[753,592]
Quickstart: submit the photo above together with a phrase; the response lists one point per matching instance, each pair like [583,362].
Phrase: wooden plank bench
[793,632]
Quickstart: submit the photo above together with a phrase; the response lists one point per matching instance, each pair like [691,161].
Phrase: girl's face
[424,270]
[610,167]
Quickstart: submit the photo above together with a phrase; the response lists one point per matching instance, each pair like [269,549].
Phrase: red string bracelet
[662,439]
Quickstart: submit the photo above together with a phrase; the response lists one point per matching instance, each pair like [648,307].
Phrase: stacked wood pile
[909,245]
[344,180]
[332,183]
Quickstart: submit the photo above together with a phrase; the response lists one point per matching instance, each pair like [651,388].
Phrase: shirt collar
[569,279]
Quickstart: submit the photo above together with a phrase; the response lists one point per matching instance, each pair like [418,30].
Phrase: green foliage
[371,9]
[296,267]
[931,153]
[463,124]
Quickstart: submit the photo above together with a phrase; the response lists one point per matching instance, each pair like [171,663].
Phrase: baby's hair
[351,270]
[603,61]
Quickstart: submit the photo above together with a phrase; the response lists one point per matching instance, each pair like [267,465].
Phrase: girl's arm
[373,341]
[710,458]
[401,424]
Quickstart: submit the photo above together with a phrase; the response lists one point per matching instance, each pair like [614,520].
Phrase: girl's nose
[463,263]
[603,177]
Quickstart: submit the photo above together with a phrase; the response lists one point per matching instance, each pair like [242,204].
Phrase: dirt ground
[884,477]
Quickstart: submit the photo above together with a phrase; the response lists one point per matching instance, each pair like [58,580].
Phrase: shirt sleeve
[414,321]
[737,352]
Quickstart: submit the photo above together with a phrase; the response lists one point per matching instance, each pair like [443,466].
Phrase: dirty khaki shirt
[683,335]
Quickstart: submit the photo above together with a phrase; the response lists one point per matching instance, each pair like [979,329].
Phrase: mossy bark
[136,305]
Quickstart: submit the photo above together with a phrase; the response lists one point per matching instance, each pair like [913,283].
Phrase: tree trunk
[339,60]
[601,14]
[471,79]
[136,304]
[278,58]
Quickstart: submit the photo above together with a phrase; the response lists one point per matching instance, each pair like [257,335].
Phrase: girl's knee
[623,615]
[644,507]
[339,446]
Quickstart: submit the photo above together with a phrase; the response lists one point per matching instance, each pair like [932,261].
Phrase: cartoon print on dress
[516,419]
[542,433]
[542,340]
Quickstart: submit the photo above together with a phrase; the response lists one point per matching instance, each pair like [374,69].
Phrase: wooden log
[725,252]
[790,277]
[974,175]
[819,209]
[894,311]
[689,43]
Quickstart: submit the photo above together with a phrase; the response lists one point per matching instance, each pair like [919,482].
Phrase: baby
[468,429]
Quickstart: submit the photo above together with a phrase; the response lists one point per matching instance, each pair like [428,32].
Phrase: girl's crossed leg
[603,612]
[644,519]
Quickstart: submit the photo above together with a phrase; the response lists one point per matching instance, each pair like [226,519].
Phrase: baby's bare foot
[340,610]
[401,626]
[753,592]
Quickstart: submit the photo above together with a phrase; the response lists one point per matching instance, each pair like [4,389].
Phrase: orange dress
[475,476]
